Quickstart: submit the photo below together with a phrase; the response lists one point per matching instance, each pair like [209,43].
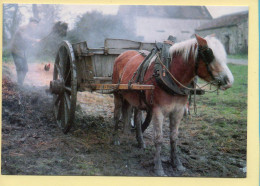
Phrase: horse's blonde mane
[187,47]
[184,48]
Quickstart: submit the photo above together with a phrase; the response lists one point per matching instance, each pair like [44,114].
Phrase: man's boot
[20,77]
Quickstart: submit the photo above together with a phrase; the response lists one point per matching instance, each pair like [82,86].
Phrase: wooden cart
[79,68]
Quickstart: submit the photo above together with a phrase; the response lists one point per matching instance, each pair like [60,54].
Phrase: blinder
[206,54]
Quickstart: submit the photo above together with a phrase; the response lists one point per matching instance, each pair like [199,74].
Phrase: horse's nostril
[225,80]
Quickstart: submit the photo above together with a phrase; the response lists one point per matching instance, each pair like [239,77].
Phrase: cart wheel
[64,86]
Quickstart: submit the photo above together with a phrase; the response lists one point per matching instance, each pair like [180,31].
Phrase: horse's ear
[200,40]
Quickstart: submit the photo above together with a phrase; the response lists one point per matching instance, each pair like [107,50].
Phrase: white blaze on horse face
[219,67]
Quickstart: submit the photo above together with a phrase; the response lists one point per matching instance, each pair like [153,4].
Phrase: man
[21,40]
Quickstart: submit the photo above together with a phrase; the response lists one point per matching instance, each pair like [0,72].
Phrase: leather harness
[163,78]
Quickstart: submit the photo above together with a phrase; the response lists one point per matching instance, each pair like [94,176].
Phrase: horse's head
[211,62]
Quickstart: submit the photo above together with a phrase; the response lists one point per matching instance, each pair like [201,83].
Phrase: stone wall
[234,38]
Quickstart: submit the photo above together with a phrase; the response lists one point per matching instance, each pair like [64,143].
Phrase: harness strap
[140,72]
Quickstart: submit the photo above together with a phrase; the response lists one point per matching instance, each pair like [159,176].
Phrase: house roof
[225,21]
[177,12]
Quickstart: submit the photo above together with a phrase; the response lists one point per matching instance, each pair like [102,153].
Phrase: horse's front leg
[138,124]
[157,120]
[175,119]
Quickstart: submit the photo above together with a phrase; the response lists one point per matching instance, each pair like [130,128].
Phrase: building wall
[243,37]
[234,38]
[158,29]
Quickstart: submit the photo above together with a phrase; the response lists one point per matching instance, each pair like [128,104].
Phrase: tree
[94,27]
[48,15]
[11,21]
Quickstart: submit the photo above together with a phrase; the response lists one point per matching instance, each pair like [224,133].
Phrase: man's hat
[171,38]
[33,19]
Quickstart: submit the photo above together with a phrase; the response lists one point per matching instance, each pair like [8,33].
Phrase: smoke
[94,27]
[50,40]
[49,31]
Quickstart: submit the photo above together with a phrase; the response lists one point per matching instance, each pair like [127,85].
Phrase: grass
[233,97]
[232,103]
[238,56]
[222,124]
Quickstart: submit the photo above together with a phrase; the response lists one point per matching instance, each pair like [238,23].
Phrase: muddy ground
[32,143]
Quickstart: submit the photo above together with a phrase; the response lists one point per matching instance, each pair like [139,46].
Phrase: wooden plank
[121,43]
[103,78]
[98,65]
[116,51]
[103,65]
[115,46]
[80,48]
[120,87]
[93,51]
[85,71]
[147,46]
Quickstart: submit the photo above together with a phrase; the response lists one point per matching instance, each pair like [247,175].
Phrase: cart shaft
[120,87]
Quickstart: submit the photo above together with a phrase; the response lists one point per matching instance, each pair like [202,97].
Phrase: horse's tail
[147,120]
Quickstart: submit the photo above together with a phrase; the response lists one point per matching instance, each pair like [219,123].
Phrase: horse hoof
[116,142]
[159,172]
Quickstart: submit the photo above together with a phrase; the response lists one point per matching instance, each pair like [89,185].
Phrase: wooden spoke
[56,111]
[57,99]
[66,78]
[66,113]
[67,100]
[60,109]
[59,70]
[68,89]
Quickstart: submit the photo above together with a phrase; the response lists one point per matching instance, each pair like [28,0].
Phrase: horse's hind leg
[126,113]
[117,114]
[175,119]
[138,124]
[157,120]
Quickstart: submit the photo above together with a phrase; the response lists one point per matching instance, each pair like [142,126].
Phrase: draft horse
[203,57]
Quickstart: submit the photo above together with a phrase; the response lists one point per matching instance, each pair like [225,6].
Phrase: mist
[94,27]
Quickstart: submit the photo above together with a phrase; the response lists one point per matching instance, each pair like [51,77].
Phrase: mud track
[32,144]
